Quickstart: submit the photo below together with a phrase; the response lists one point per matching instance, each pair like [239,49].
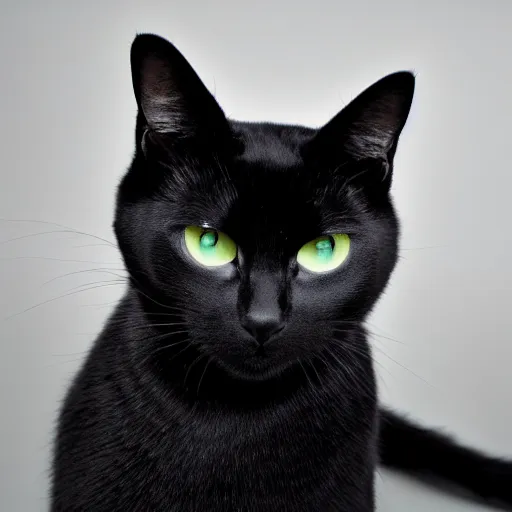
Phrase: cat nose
[262,325]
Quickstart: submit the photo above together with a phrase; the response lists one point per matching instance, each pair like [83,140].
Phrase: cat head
[263,241]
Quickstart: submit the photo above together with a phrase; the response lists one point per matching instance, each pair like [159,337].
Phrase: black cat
[235,374]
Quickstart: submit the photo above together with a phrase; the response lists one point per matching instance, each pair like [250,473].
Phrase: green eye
[325,253]
[209,247]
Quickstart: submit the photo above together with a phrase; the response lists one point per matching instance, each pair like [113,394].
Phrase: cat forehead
[271,145]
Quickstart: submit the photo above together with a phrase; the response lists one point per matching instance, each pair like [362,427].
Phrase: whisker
[170,345]
[357,350]
[74,231]
[60,260]
[99,306]
[374,334]
[202,376]
[310,363]
[171,324]
[34,221]
[306,374]
[320,356]
[57,298]
[341,367]
[178,314]
[99,270]
[345,367]
[403,366]
[94,245]
[162,336]
[153,300]
[355,378]
[180,352]
[119,281]
[193,363]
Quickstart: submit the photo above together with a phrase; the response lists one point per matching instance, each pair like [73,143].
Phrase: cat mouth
[260,351]
[259,365]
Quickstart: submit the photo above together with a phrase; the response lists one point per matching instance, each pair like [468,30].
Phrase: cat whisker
[59,297]
[203,374]
[402,366]
[358,350]
[352,323]
[162,336]
[153,300]
[312,365]
[348,370]
[119,281]
[30,235]
[178,314]
[100,270]
[345,366]
[306,374]
[192,364]
[370,330]
[136,286]
[339,367]
[60,260]
[62,226]
[180,352]
[100,306]
[95,245]
[319,356]
[170,324]
[165,347]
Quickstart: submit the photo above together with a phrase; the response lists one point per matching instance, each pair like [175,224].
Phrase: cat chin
[255,369]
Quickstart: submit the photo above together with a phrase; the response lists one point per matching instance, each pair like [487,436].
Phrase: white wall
[67,118]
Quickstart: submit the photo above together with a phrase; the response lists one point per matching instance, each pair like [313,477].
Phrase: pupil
[209,239]
[325,247]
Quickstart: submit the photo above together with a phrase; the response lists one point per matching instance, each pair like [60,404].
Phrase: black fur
[247,387]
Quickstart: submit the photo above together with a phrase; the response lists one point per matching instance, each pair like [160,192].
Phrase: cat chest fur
[302,455]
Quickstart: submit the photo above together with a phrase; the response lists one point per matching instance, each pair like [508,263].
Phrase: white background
[67,118]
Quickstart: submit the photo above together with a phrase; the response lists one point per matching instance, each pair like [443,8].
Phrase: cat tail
[433,456]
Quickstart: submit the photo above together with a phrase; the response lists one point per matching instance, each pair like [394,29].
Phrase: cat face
[268,242]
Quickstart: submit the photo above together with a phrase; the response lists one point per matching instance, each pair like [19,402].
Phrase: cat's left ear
[368,128]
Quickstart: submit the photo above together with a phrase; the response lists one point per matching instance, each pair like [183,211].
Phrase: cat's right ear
[172,99]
